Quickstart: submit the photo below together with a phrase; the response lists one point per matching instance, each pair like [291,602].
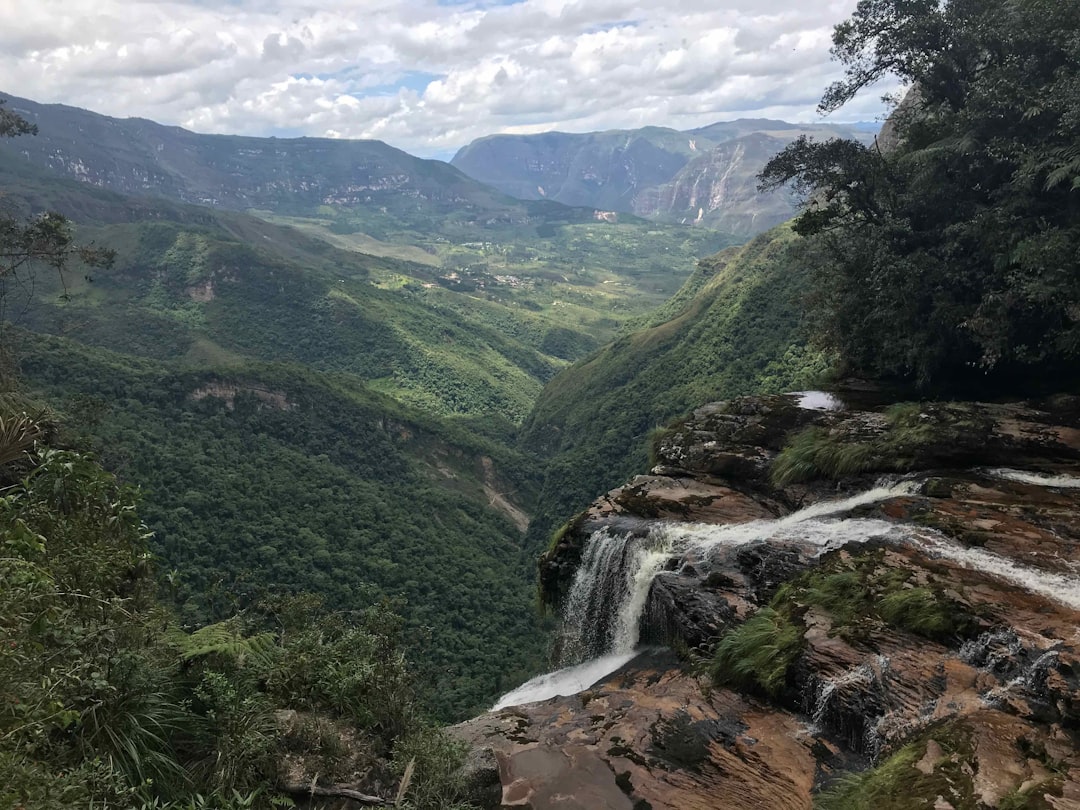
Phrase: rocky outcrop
[227,392]
[931,626]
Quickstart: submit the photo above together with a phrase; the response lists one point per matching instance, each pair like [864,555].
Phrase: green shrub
[759,652]
[919,610]
[816,453]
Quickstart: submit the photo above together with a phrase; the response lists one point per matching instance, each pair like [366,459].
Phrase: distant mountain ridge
[705,176]
[290,176]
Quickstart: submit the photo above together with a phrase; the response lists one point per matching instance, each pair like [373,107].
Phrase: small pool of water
[819,401]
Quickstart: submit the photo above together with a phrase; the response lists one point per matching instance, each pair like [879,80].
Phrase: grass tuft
[816,453]
[758,653]
[919,610]
[870,788]
[819,453]
[862,592]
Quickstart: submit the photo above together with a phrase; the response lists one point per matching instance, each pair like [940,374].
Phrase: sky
[427,76]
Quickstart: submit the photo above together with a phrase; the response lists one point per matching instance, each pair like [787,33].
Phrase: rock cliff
[704,176]
[844,641]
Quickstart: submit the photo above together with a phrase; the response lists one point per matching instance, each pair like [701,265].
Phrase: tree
[44,239]
[952,254]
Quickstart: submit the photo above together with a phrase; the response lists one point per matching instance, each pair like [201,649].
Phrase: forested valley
[284,426]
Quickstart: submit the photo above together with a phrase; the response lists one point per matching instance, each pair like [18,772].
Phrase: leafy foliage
[225,638]
[104,701]
[951,256]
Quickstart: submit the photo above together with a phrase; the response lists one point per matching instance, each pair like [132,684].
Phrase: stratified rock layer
[986,714]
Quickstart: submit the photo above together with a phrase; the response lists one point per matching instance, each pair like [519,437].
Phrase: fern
[1061,165]
[226,640]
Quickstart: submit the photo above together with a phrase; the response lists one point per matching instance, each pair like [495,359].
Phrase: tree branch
[334,792]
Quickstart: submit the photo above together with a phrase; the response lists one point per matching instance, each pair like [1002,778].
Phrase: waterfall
[607,598]
[604,607]
[603,610]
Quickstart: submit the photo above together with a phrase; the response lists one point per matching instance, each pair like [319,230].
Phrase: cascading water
[1038,479]
[603,611]
[607,598]
[602,615]
[1057,587]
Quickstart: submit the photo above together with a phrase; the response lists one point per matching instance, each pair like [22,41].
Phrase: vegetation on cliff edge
[106,701]
[952,255]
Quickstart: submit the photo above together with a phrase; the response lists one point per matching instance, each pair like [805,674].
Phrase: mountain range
[705,176]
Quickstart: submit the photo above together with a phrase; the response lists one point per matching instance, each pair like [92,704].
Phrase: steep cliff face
[919,631]
[705,176]
[718,189]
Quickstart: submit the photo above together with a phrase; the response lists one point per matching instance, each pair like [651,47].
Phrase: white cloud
[421,75]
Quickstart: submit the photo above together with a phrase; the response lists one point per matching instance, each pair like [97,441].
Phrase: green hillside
[735,328]
[557,280]
[209,286]
[263,477]
[553,267]
[295,424]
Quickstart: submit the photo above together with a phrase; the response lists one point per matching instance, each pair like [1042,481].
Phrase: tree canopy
[950,251]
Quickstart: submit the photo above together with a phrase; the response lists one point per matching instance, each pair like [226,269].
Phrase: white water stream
[607,599]
[567,681]
[1038,479]
[1056,587]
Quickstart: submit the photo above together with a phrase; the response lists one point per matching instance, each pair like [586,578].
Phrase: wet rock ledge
[932,661]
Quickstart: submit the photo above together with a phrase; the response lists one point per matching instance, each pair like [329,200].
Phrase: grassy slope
[734,329]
